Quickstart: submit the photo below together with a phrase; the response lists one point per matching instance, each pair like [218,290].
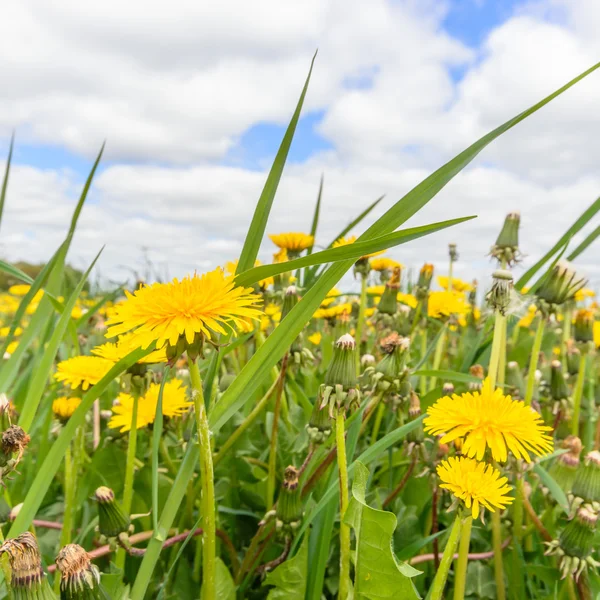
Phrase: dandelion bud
[289,504]
[558,286]
[506,248]
[80,579]
[448,388]
[388,304]
[514,380]
[289,301]
[367,360]
[28,581]
[564,469]
[414,407]
[559,390]
[452,252]
[584,327]
[586,487]
[64,407]
[424,281]
[14,512]
[573,356]
[111,519]
[391,369]
[476,371]
[319,424]
[499,297]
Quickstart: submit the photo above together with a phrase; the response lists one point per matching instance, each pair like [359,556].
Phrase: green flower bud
[506,248]
[391,369]
[452,252]
[28,580]
[111,519]
[290,300]
[573,356]
[559,390]
[362,266]
[319,424]
[584,327]
[388,304]
[564,468]
[289,504]
[80,579]
[577,538]
[340,388]
[586,487]
[499,297]
[559,285]
[424,282]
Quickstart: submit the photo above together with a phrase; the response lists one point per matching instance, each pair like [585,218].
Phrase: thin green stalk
[502,363]
[439,583]
[590,424]
[361,318]
[69,502]
[340,438]
[439,353]
[450,272]
[497,349]
[517,581]
[209,544]
[164,452]
[533,361]
[129,474]
[566,330]
[577,393]
[460,569]
[423,379]
[498,559]
[377,422]
[254,414]
[271,477]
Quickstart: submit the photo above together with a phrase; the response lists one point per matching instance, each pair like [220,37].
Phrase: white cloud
[174,90]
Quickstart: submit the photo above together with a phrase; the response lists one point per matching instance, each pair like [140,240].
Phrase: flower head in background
[82,371]
[64,407]
[174,403]
[201,304]
[384,264]
[477,484]
[458,285]
[489,419]
[343,241]
[445,304]
[293,242]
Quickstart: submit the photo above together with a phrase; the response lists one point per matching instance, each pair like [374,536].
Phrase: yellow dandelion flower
[4,331]
[293,241]
[64,407]
[584,293]
[477,484]
[280,257]
[350,240]
[407,299]
[124,346]
[12,347]
[375,290]
[332,294]
[83,371]
[204,304]
[35,301]
[231,266]
[19,290]
[444,304]
[458,285]
[174,404]
[384,264]
[333,311]
[370,311]
[315,338]
[528,319]
[597,334]
[489,419]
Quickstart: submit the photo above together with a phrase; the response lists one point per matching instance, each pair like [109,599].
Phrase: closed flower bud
[28,580]
[573,356]
[564,468]
[448,388]
[584,327]
[514,380]
[499,297]
[340,389]
[506,248]
[476,371]
[289,504]
[559,285]
[452,252]
[367,360]
[424,281]
[290,300]
[586,487]
[80,579]
[112,521]
[319,424]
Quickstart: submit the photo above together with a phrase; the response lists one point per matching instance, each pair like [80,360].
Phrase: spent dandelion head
[189,310]
[489,419]
[478,485]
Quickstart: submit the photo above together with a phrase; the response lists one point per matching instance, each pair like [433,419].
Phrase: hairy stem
[340,438]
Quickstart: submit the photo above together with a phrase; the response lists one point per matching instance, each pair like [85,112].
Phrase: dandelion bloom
[350,240]
[332,294]
[597,334]
[477,484]
[19,290]
[124,346]
[82,371]
[231,268]
[384,264]
[315,338]
[444,304]
[489,419]
[293,241]
[174,404]
[201,304]
[64,407]
[583,293]
[458,285]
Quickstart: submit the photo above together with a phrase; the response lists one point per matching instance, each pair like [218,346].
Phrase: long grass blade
[156,437]
[315,221]
[587,242]
[6,175]
[15,272]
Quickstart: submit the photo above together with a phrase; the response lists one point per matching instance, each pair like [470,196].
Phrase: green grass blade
[356,221]
[51,463]
[40,378]
[96,307]
[156,435]
[315,221]
[15,272]
[265,202]
[585,244]
[581,222]
[447,375]
[533,289]
[350,251]
[6,174]
[553,487]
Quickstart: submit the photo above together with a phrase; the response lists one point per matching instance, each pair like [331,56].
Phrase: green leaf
[407,552]
[15,272]
[448,375]
[585,244]
[581,222]
[553,487]
[6,174]
[51,463]
[480,581]
[290,577]
[350,251]
[315,221]
[377,573]
[156,437]
[265,202]
[225,586]
[40,378]
[356,221]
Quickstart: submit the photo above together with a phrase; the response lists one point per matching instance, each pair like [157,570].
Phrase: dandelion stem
[498,559]
[493,370]
[460,569]
[423,380]
[273,444]
[361,318]
[209,545]
[439,583]
[129,473]
[340,438]
[69,501]
[517,582]
[439,353]
[377,422]
[577,393]
[533,362]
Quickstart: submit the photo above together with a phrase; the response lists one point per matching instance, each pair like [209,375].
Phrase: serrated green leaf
[289,578]
[377,573]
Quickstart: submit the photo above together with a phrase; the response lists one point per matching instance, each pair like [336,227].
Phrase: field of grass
[259,431]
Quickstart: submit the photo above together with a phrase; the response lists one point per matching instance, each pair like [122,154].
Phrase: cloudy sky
[193,98]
